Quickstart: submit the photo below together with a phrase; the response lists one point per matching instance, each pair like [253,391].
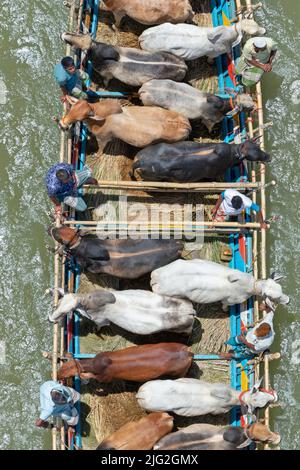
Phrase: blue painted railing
[228,7]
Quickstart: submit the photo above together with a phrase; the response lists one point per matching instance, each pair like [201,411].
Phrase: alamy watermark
[123,219]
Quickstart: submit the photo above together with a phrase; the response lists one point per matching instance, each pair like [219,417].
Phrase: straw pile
[105,409]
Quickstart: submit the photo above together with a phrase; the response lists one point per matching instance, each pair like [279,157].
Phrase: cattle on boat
[137,363]
[208,437]
[150,12]
[191,42]
[137,311]
[191,102]
[188,162]
[122,258]
[205,282]
[139,435]
[131,66]
[193,397]
[108,120]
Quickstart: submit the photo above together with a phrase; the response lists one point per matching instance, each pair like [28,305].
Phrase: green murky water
[29,144]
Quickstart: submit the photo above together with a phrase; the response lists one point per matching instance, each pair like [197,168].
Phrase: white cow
[193,397]
[138,311]
[191,42]
[205,282]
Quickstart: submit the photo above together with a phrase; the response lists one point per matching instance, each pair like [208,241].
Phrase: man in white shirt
[233,203]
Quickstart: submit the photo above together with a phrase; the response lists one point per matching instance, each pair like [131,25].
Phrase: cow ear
[216,34]
[234,277]
[217,102]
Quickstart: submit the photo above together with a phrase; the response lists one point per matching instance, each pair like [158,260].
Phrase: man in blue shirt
[58,401]
[72,81]
[63,182]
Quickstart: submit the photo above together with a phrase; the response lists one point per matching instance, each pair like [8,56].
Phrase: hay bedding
[106,409]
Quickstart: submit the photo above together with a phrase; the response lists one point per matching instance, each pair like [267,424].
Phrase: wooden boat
[109,412]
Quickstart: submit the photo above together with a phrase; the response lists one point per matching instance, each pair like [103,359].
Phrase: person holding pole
[72,81]
[63,182]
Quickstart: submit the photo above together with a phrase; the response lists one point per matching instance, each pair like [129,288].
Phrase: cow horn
[256,385]
[255,139]
[247,443]
[270,304]
[85,30]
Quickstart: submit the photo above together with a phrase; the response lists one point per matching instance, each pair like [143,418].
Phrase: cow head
[253,153]
[257,397]
[244,102]
[272,291]
[81,41]
[93,301]
[65,235]
[69,369]
[67,304]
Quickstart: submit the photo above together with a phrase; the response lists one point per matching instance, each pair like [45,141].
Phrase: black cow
[124,259]
[187,162]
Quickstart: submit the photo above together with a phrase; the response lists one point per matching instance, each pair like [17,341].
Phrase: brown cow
[137,363]
[139,435]
[137,125]
[150,11]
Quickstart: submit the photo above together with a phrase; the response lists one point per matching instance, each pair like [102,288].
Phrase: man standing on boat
[58,401]
[232,203]
[72,81]
[257,57]
[63,182]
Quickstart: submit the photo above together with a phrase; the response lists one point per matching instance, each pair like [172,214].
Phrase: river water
[29,144]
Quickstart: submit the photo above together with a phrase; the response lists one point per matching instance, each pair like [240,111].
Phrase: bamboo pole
[95,223]
[263,232]
[172,187]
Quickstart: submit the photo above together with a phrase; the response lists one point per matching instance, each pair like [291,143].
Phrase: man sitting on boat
[63,182]
[58,401]
[257,339]
[72,81]
[257,57]
[233,203]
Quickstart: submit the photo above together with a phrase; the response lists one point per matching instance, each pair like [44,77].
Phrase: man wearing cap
[233,203]
[71,80]
[58,401]
[257,57]
[63,182]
